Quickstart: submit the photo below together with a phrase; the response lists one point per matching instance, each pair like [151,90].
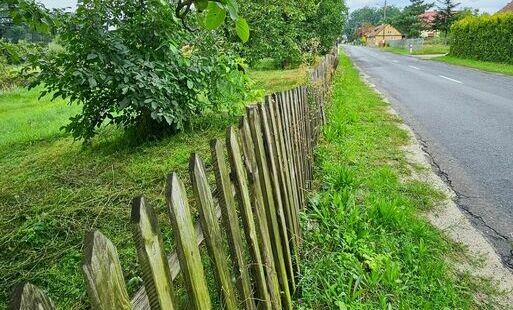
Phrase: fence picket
[231,222]
[103,276]
[152,258]
[30,297]
[260,214]
[279,133]
[186,247]
[211,229]
[241,188]
[270,149]
[270,207]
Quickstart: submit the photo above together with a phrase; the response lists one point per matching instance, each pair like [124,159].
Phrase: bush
[132,64]
[486,38]
[19,53]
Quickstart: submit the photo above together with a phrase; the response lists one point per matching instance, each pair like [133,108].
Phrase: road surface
[464,118]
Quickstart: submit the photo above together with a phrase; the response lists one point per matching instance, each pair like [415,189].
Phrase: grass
[365,244]
[477,64]
[54,190]
[428,49]
[278,80]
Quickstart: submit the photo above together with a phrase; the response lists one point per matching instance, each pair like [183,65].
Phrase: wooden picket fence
[261,184]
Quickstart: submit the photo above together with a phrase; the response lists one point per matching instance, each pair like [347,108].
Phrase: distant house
[381,34]
[428,19]
[507,8]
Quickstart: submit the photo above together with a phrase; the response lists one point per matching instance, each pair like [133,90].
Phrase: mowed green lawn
[54,190]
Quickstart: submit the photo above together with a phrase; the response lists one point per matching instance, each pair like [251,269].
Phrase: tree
[446,15]
[328,22]
[133,64]
[409,22]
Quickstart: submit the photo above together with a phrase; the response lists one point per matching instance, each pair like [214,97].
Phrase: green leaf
[190,84]
[92,82]
[242,29]
[233,9]
[215,16]
[201,5]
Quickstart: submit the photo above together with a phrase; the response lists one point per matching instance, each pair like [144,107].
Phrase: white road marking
[417,68]
[395,61]
[453,80]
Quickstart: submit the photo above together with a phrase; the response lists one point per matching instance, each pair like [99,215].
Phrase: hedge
[487,38]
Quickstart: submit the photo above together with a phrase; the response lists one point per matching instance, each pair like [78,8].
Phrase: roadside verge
[370,233]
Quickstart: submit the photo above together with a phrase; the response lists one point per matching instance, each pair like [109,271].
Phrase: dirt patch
[481,261]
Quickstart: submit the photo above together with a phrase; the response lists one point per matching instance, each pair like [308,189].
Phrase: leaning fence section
[262,172]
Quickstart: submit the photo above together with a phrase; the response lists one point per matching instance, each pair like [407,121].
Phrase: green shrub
[132,64]
[487,38]
[19,53]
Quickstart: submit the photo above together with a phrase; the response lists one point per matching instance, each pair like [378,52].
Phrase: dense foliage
[288,30]
[133,64]
[409,22]
[486,38]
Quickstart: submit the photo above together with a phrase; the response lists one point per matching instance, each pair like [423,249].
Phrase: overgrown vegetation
[365,244]
[486,38]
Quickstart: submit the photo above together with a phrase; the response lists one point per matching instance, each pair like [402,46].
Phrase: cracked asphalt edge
[450,218]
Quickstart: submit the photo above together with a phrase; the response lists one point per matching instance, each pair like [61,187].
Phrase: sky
[489,6]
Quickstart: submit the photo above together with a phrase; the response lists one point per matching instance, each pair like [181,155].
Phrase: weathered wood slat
[284,179]
[212,231]
[242,194]
[269,205]
[103,275]
[275,176]
[260,214]
[289,157]
[186,246]
[30,297]
[231,223]
[152,258]
[140,300]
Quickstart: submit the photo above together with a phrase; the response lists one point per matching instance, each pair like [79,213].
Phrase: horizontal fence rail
[248,220]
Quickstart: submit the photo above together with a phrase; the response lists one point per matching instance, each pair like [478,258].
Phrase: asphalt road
[464,118]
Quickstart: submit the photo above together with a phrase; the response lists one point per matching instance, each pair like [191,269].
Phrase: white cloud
[483,5]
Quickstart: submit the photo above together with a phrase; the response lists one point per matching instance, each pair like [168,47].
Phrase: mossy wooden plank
[211,229]
[260,214]
[281,111]
[231,222]
[285,113]
[186,245]
[243,197]
[103,275]
[269,205]
[284,178]
[140,300]
[151,255]
[279,193]
[30,297]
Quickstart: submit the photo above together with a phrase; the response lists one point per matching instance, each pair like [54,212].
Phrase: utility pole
[385,12]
